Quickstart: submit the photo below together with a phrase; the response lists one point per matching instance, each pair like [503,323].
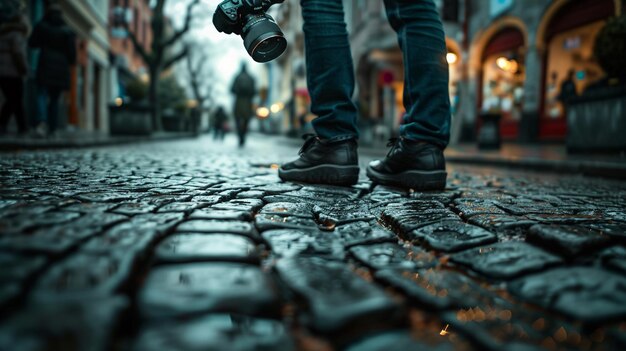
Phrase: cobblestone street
[194,245]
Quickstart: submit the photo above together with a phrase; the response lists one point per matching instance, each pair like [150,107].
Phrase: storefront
[501,81]
[569,67]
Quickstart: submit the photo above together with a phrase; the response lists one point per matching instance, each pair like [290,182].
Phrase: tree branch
[179,33]
[175,58]
[138,47]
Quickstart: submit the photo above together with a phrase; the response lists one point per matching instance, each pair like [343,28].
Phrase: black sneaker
[414,165]
[323,162]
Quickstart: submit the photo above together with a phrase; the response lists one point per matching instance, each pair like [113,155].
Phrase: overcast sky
[227,51]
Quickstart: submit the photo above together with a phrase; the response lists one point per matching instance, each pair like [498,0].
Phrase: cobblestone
[192,245]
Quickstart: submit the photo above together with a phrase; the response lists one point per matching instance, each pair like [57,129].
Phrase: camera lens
[262,38]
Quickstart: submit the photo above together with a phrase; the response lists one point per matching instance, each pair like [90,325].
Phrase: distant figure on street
[568,88]
[57,44]
[14,30]
[220,119]
[244,90]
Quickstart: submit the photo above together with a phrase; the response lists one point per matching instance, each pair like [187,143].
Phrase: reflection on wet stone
[85,275]
[497,222]
[505,260]
[569,240]
[180,290]
[217,332]
[614,258]
[390,255]
[294,209]
[584,293]
[288,242]
[218,226]
[452,236]
[338,301]
[60,238]
[16,269]
[361,233]
[247,205]
[71,326]
[400,341]
[210,213]
[434,289]
[191,247]
[266,222]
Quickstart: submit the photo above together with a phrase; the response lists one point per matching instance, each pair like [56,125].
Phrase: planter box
[597,121]
[130,120]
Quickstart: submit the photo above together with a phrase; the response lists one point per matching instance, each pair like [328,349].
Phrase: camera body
[262,37]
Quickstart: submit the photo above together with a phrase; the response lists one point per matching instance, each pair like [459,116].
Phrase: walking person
[57,44]
[416,158]
[13,66]
[244,89]
[219,124]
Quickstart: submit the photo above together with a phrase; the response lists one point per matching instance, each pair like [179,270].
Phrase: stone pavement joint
[191,245]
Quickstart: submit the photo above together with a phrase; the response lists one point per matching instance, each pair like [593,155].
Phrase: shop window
[503,85]
[570,65]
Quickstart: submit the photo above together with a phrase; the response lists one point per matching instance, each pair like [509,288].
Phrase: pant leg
[426,75]
[20,112]
[42,104]
[330,73]
[53,109]
[8,104]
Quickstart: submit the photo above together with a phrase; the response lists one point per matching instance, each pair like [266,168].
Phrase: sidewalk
[81,139]
[551,158]
[540,157]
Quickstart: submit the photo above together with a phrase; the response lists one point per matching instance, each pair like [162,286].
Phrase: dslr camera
[262,37]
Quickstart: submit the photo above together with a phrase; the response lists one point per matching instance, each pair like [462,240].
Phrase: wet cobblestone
[182,246]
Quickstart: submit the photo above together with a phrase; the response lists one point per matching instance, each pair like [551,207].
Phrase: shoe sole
[322,174]
[416,180]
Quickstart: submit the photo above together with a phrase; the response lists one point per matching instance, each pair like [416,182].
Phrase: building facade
[506,56]
[84,107]
[520,54]
[127,62]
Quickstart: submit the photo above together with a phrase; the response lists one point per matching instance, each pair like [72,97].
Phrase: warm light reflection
[444,331]
[119,101]
[507,65]
[277,107]
[452,58]
[263,112]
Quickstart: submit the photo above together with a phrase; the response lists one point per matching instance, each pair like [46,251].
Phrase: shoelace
[393,143]
[309,141]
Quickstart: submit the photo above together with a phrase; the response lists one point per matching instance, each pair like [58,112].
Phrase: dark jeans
[13,91]
[330,72]
[48,106]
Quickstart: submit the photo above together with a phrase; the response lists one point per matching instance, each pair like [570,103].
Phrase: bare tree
[201,76]
[159,57]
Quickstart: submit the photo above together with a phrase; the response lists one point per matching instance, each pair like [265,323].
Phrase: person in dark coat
[244,89]
[219,123]
[13,69]
[57,44]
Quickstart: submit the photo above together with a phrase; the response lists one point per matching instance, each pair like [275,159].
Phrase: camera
[262,37]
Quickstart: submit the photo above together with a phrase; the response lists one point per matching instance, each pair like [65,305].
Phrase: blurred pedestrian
[220,118]
[244,89]
[568,87]
[57,44]
[416,159]
[14,30]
